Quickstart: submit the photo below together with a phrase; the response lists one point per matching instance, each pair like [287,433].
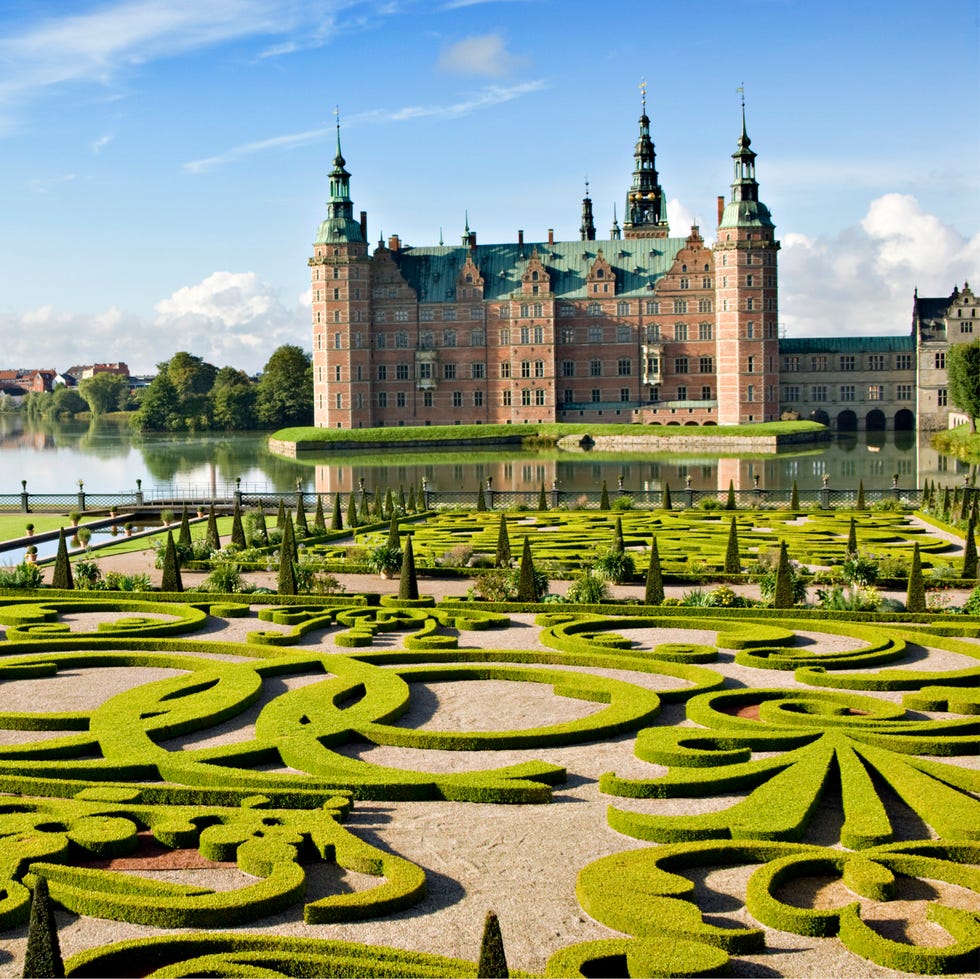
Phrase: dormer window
[600,273]
[534,276]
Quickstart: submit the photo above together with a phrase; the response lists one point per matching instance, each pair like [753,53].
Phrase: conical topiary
[261,531]
[421,501]
[365,512]
[211,534]
[319,521]
[43,955]
[965,507]
[946,503]
[503,557]
[401,499]
[970,551]
[286,584]
[411,507]
[730,502]
[618,544]
[527,585]
[860,504]
[281,514]
[794,497]
[289,538]
[915,598]
[493,961]
[665,497]
[184,534]
[61,578]
[301,522]
[604,497]
[170,580]
[481,500]
[394,540]
[733,564]
[783,592]
[378,506]
[654,594]
[852,538]
[389,503]
[237,530]
[352,512]
[542,499]
[408,585]
[336,520]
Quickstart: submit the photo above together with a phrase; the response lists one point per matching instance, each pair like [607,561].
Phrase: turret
[646,207]
[587,228]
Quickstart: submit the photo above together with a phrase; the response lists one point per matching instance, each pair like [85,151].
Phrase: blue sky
[165,162]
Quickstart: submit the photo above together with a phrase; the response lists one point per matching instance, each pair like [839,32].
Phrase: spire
[587,228]
[646,211]
[339,224]
[745,209]
[469,237]
[614,232]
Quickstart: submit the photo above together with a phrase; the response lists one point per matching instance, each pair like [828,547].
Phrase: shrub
[624,502]
[859,570]
[915,600]
[22,575]
[493,961]
[225,578]
[617,566]
[61,577]
[604,497]
[710,503]
[43,955]
[654,594]
[495,585]
[385,559]
[408,586]
[588,588]
[503,556]
[88,575]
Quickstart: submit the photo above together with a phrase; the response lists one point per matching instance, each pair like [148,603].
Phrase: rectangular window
[427,340]
[848,362]
[477,399]
[401,372]
[903,392]
[847,392]
[425,371]
[942,397]
[622,334]
[706,365]
[566,396]
[653,307]
[505,337]
[624,394]
[478,371]
[680,365]
[505,369]
[478,338]
[750,365]
[539,334]
[819,363]
[941,361]
[449,313]
[876,392]
[525,368]
[791,363]
[457,399]
[568,368]
[750,393]
[427,399]
[539,396]
[876,362]
[506,399]
[401,315]
[596,395]
[476,313]
[449,338]
[682,392]
[680,305]
[706,392]
[427,314]
[382,372]
[400,399]
[339,402]
[704,305]
[750,330]
[595,334]
[818,392]
[903,362]
[567,335]
[525,334]
[382,399]
[680,331]
[336,341]
[622,308]
[705,331]
[595,368]
[525,397]
[401,340]
[791,393]
[539,368]
[624,367]
[449,372]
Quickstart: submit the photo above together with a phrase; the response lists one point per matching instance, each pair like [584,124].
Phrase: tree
[963,378]
[170,580]
[394,539]
[481,500]
[285,388]
[352,512]
[67,401]
[286,584]
[336,519]
[604,497]
[542,499]
[730,503]
[794,497]
[103,392]
[281,514]
[233,397]
[408,586]
[655,583]
[493,961]
[503,556]
[783,592]
[860,504]
[618,544]
[733,564]
[61,578]
[852,539]
[665,501]
[211,534]
[319,522]
[237,530]
[527,582]
[159,410]
[969,551]
[184,534]
[301,521]
[915,597]
[43,955]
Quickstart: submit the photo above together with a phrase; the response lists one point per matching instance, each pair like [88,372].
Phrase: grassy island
[960,442]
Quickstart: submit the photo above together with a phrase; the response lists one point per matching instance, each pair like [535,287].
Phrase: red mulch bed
[150,855]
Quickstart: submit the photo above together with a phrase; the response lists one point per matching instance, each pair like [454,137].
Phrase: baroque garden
[309,780]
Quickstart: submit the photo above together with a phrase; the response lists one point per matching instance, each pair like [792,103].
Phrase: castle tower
[746,307]
[646,206]
[586,230]
[341,289]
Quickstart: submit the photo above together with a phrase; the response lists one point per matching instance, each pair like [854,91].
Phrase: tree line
[190,394]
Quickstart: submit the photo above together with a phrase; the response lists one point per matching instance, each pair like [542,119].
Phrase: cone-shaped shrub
[301,513]
[527,586]
[969,551]
[794,497]
[211,535]
[733,564]
[915,598]
[261,531]
[184,534]
[502,557]
[860,505]
[481,500]
[43,956]
[401,498]
[286,584]
[389,503]
[618,544]
[237,530]
[336,520]
[946,503]
[965,508]
[378,507]
[730,502]
[493,961]
[542,499]
[281,514]
[289,537]
[665,497]
[393,538]
[604,498]
[365,514]
[852,538]
[170,581]
[783,593]
[408,585]
[411,508]
[352,512]
[62,569]
[654,594]
[421,501]
[319,521]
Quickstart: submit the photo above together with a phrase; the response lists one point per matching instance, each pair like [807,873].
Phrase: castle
[638,327]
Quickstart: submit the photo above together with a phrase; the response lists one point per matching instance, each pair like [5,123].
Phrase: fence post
[81,496]
[690,492]
[895,490]
[555,495]
[489,492]
[238,491]
[139,492]
[756,490]
[24,507]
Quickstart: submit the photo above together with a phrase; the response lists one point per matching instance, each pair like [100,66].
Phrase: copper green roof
[847,345]
[638,263]
[746,214]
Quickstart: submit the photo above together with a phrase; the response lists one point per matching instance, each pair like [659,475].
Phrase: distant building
[639,327]
[80,371]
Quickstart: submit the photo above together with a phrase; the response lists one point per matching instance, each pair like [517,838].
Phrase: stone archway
[847,421]
[875,421]
[904,420]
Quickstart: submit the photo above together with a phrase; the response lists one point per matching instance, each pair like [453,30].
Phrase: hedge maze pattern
[788,714]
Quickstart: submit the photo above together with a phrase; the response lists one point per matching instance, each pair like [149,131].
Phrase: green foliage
[281,514]
[603,497]
[502,558]
[481,500]
[232,398]
[860,504]
[170,579]
[285,388]
[492,963]
[352,521]
[859,569]
[623,502]
[237,530]
[103,392]
[408,586]
[783,593]
[301,521]
[733,564]
[336,519]
[963,374]
[394,538]
[23,575]
[61,577]
[617,566]
[969,569]
[730,503]
[794,498]
[654,593]
[915,600]
[665,500]
[543,499]
[385,559]
[184,534]
[528,583]
[43,955]
[852,545]
[211,534]
[588,588]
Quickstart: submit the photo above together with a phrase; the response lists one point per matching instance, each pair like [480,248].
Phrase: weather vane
[643,93]
[741,91]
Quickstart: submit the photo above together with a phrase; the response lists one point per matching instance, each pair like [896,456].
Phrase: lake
[108,457]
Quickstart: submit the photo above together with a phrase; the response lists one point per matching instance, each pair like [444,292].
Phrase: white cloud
[861,280]
[98,145]
[484,54]
[229,318]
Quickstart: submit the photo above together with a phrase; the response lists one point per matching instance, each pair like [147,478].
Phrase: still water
[108,457]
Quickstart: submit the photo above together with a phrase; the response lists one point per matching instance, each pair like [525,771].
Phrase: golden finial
[643,93]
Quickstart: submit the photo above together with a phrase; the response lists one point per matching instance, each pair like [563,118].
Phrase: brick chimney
[394,243]
[721,208]
[551,236]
